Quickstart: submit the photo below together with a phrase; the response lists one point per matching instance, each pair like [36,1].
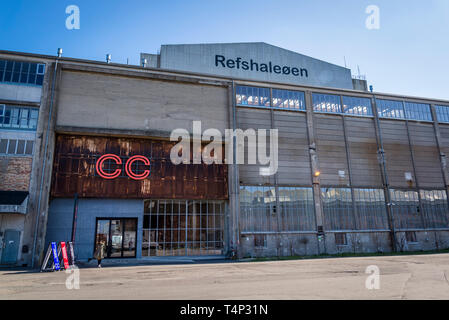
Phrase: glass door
[119,236]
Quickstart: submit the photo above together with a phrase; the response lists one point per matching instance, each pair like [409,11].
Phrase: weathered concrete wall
[279,245]
[357,242]
[94,100]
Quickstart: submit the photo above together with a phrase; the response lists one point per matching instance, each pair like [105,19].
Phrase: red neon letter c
[99,166]
[133,175]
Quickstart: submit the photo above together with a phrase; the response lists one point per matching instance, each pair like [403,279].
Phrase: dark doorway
[119,234]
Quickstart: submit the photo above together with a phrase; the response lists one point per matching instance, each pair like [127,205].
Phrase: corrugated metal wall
[74,171]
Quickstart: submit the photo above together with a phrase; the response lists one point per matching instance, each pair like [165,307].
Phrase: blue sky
[409,54]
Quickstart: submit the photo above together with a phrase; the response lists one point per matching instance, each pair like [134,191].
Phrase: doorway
[11,242]
[119,235]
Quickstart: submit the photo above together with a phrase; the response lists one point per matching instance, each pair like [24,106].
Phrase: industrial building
[358,171]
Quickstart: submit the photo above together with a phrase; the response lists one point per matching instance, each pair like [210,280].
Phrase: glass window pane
[442,113]
[326,103]
[357,106]
[418,111]
[289,100]
[390,109]
[29,147]
[252,96]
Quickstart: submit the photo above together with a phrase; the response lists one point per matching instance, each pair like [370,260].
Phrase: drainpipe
[44,162]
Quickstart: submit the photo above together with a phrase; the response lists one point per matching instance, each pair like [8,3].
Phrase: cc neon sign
[128,164]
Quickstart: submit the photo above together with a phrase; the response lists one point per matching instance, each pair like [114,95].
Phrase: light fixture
[317,173]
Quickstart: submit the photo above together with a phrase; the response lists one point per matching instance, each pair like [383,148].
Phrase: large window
[370,208]
[252,96]
[390,109]
[22,72]
[258,209]
[418,111]
[288,100]
[435,206]
[405,209]
[442,113]
[297,209]
[183,227]
[357,106]
[326,103]
[337,208]
[14,117]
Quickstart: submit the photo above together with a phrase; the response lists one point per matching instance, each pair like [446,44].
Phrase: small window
[340,239]
[260,241]
[20,147]
[410,236]
[3,145]
[12,146]
[29,147]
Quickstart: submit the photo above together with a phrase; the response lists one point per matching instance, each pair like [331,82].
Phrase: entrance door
[119,235]
[10,247]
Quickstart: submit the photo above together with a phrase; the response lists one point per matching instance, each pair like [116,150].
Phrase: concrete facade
[322,155]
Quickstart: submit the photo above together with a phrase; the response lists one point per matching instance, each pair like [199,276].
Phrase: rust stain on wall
[76,156]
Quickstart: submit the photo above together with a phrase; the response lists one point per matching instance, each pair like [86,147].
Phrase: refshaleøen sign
[239,63]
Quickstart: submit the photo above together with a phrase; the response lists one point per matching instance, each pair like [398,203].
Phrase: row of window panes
[400,110]
[16,147]
[14,117]
[260,97]
[330,103]
[22,72]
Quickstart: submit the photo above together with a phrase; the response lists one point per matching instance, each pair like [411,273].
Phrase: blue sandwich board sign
[55,255]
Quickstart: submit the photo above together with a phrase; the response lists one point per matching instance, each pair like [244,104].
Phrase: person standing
[100,252]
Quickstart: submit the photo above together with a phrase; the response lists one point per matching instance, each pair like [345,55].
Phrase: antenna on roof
[345,61]
[108,58]
[59,52]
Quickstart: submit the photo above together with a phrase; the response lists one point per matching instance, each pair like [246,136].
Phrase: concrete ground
[401,277]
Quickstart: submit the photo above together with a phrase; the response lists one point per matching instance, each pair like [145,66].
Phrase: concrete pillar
[40,180]
[315,167]
[443,156]
[233,179]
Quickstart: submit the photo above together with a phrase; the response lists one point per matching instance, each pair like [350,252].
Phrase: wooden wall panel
[397,152]
[425,152]
[331,149]
[361,136]
[253,119]
[294,160]
[74,171]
